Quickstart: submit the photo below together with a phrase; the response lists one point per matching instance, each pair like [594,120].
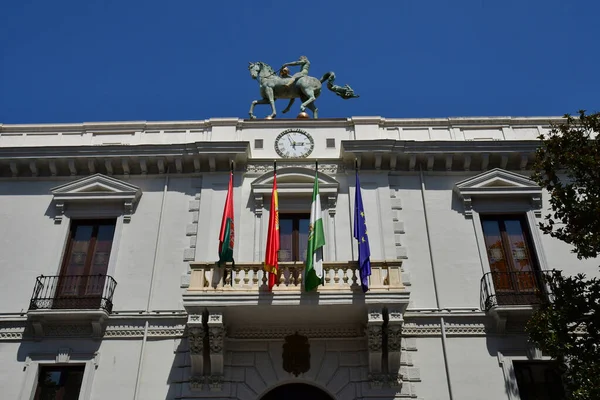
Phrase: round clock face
[294,143]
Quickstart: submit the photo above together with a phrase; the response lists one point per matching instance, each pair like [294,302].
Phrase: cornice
[141,126]
[439,146]
[154,150]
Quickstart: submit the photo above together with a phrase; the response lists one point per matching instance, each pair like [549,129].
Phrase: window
[59,382]
[513,266]
[538,380]
[293,236]
[82,278]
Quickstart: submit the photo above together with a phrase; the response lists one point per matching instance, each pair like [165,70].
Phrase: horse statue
[306,88]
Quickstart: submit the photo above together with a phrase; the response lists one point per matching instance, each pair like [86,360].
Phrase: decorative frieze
[452,329]
[278,333]
[260,167]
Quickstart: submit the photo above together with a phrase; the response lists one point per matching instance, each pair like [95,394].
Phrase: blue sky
[74,61]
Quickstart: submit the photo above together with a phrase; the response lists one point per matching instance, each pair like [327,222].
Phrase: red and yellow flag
[271,255]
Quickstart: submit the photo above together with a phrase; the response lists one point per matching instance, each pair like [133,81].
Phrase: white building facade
[110,288]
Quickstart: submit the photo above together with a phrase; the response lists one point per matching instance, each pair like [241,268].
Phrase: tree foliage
[567,328]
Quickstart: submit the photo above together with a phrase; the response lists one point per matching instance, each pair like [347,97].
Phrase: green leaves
[568,328]
[567,166]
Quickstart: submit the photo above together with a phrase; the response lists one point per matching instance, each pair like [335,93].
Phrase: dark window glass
[293,236]
[538,380]
[513,265]
[59,382]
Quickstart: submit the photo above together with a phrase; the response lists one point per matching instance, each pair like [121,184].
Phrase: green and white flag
[313,274]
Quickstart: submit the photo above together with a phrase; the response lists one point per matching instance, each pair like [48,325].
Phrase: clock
[294,143]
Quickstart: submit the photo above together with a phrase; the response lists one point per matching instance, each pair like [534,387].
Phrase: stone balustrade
[250,277]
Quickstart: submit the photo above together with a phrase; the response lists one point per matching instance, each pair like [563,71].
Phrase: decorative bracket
[196,334]
[375,341]
[331,204]
[60,212]
[216,335]
[394,342]
[258,204]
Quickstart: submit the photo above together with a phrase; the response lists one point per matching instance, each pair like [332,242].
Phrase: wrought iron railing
[76,292]
[513,288]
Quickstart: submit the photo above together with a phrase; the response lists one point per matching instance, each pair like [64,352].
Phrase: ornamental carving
[215,339]
[216,317]
[296,354]
[196,340]
[215,383]
[375,316]
[374,337]
[328,168]
[278,332]
[394,338]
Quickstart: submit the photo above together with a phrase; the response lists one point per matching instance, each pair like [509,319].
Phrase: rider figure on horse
[304,66]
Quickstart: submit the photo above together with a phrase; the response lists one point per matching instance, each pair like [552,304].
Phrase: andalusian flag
[313,274]
[227,235]
[271,256]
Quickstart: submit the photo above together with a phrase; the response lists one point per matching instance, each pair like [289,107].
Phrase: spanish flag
[271,255]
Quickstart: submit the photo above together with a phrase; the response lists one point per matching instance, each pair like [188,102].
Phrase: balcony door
[83,274]
[514,270]
[293,236]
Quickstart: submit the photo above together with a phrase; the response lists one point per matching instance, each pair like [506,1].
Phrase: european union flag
[360,234]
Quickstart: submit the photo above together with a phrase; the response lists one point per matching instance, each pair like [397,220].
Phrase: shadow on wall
[507,344]
[47,350]
[179,374]
[180,383]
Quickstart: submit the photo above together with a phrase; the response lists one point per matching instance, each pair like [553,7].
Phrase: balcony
[71,299]
[242,296]
[512,295]
[246,285]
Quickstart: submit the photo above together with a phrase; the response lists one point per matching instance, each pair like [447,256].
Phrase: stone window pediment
[93,189]
[295,181]
[498,184]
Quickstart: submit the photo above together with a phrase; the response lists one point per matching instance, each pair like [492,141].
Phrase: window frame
[90,214]
[522,218]
[506,362]
[530,223]
[93,241]
[295,217]
[63,356]
[61,368]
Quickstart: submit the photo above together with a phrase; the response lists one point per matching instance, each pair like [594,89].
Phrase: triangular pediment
[497,180]
[97,187]
[498,184]
[295,180]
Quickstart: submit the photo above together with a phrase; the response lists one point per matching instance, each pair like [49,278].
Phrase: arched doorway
[296,391]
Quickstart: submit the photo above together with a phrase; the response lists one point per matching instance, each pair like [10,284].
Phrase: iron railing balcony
[515,288]
[73,292]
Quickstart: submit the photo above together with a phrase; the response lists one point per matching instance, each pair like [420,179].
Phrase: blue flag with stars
[360,234]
